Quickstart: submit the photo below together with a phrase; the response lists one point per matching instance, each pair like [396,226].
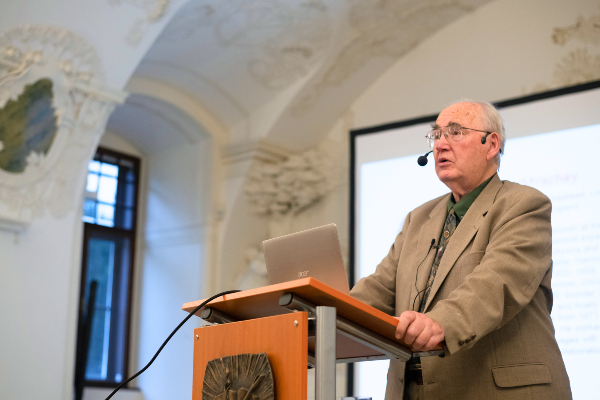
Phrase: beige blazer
[491,295]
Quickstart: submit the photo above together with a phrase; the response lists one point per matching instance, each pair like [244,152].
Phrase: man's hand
[419,331]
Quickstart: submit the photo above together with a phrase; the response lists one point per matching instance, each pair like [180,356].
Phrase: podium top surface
[264,302]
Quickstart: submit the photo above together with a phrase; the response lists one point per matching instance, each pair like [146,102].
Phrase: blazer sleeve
[379,289]
[516,259]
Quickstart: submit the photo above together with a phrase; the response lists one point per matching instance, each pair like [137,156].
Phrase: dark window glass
[109,215]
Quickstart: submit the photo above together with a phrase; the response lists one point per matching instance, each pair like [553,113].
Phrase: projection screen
[551,145]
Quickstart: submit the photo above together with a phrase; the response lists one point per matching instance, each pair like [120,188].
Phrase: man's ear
[494,140]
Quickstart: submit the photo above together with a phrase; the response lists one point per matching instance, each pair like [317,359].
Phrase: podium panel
[284,338]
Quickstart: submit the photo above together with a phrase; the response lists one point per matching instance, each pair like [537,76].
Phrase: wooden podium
[297,324]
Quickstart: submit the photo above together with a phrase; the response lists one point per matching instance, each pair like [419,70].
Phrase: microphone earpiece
[422,160]
[484,139]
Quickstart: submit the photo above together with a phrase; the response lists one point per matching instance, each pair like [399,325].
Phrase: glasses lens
[454,133]
[431,137]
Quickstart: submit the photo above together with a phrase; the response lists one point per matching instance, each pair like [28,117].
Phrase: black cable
[205,302]
[417,275]
[419,293]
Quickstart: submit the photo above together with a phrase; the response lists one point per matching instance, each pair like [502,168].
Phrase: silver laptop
[312,253]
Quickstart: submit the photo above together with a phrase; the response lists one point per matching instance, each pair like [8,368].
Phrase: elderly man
[471,270]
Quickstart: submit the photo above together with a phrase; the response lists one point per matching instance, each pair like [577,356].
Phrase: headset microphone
[422,160]
[484,139]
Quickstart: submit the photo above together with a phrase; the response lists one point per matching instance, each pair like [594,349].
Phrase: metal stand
[389,348]
[328,324]
[325,353]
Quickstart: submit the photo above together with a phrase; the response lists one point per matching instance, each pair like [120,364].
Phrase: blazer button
[461,343]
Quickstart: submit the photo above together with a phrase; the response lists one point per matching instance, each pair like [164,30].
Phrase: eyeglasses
[453,133]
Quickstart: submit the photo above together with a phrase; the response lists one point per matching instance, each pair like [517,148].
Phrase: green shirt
[461,208]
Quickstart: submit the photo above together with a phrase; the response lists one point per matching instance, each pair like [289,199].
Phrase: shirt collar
[461,208]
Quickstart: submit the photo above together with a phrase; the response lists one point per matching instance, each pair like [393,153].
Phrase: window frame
[92,230]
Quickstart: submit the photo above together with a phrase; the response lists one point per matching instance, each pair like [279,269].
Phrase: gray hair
[492,121]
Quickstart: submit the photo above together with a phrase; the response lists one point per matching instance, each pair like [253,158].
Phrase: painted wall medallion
[54,106]
[239,377]
[28,126]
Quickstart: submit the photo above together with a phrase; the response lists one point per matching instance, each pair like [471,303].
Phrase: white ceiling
[277,70]
[153,125]
[286,70]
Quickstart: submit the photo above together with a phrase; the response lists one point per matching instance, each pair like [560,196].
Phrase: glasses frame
[431,137]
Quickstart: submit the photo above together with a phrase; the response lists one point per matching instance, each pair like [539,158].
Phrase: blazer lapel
[430,230]
[464,233]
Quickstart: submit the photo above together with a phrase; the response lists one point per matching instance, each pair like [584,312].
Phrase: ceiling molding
[161,70]
[168,93]
[152,105]
[254,150]
[13,225]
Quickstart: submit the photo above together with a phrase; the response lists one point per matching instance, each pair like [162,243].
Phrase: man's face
[461,165]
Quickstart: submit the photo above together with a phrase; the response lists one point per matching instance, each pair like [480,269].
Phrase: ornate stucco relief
[580,65]
[154,11]
[81,106]
[577,67]
[382,28]
[291,37]
[585,30]
[292,185]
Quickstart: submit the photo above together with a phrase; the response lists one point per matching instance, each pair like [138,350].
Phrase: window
[109,215]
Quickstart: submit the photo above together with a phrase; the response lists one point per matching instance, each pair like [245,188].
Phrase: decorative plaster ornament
[291,37]
[577,67]
[585,30]
[154,11]
[190,19]
[74,106]
[383,28]
[292,185]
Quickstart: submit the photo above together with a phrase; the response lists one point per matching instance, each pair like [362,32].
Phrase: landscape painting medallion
[28,127]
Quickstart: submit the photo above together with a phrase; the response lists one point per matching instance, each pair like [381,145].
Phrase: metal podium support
[328,324]
[389,348]
[325,353]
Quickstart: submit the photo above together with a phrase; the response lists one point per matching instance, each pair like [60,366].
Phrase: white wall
[38,303]
[174,265]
